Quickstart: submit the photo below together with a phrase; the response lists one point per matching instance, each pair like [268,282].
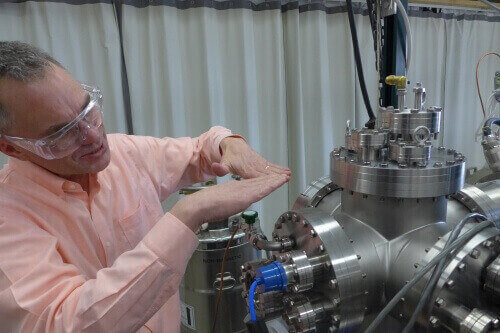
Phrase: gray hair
[23,62]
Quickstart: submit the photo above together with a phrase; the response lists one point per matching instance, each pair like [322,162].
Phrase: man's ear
[10,150]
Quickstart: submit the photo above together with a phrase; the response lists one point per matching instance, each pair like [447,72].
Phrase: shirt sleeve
[39,292]
[172,163]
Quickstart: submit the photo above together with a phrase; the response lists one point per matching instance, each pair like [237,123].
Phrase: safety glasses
[69,138]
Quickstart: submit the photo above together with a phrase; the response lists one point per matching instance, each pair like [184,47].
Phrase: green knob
[250,216]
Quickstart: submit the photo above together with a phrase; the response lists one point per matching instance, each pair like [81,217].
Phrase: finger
[263,186]
[219,169]
[277,169]
[281,169]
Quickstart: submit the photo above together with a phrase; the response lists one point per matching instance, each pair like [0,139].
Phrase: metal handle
[228,282]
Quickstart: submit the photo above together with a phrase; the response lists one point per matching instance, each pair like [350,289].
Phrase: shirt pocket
[136,223]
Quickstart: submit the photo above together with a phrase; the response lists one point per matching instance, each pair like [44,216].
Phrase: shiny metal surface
[483,198]
[315,192]
[317,232]
[491,149]
[492,281]
[478,321]
[402,123]
[386,210]
[199,288]
[410,154]
[444,175]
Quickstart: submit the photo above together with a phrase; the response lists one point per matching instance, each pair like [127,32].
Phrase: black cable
[359,66]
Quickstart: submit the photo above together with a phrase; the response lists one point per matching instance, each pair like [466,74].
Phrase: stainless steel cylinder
[201,283]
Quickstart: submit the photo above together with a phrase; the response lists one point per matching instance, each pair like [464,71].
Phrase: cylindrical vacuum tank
[200,286]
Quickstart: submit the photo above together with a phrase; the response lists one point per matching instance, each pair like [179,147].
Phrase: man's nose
[89,134]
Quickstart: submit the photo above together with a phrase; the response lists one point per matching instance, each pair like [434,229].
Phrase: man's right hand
[218,202]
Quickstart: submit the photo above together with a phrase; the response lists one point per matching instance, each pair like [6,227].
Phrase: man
[84,243]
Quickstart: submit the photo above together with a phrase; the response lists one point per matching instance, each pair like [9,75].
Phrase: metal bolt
[336,302]
[278,225]
[366,292]
[450,162]
[403,165]
[333,283]
[363,275]
[402,299]
[441,148]
[434,321]
[288,216]
[351,241]
[367,163]
[332,329]
[383,165]
[336,319]
[439,302]
[305,223]
[450,283]
[328,264]
[496,323]
[321,248]
[402,144]
[427,250]
[358,256]
[296,288]
[415,265]
[242,267]
[475,253]
[451,151]
[438,164]
[488,244]
[461,267]
[313,233]
[295,217]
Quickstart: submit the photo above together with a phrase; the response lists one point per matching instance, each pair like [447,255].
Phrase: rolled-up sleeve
[172,163]
[39,292]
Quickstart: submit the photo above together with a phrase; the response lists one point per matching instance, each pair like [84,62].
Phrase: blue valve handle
[273,277]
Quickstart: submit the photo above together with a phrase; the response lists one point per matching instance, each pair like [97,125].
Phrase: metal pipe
[260,242]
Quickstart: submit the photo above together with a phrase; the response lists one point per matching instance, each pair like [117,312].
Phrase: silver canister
[201,283]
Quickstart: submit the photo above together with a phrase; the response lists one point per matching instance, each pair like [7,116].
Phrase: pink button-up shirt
[106,261]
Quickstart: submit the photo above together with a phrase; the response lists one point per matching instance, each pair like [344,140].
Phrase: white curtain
[191,69]
[83,38]
[284,80]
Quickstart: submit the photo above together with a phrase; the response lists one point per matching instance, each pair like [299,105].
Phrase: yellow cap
[398,81]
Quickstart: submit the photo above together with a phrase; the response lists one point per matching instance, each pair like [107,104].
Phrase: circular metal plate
[444,175]
[315,230]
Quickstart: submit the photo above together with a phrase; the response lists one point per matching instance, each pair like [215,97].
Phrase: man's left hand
[240,159]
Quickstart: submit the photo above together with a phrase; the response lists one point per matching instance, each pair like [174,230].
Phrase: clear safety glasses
[69,138]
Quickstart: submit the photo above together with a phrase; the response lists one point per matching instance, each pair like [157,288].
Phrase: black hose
[489,123]
[359,66]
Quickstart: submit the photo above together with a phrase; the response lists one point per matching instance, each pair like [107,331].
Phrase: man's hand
[221,201]
[240,159]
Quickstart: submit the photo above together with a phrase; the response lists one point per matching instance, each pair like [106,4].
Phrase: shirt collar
[54,183]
